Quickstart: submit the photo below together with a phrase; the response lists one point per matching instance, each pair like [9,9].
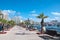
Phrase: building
[5,16]
[16,19]
[1,15]
[31,21]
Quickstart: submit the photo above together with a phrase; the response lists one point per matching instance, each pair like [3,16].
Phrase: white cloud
[56,13]
[18,13]
[49,19]
[31,18]
[5,12]
[8,12]
[33,11]
[34,15]
[37,20]
[20,17]
[57,18]
[24,18]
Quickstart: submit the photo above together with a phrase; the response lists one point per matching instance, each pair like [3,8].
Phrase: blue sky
[31,8]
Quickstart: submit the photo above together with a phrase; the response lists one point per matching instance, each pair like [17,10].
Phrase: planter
[38,33]
[3,32]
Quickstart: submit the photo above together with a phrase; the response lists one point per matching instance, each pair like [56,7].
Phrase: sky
[31,8]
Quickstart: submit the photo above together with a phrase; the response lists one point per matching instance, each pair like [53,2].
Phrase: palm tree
[11,22]
[27,22]
[4,21]
[42,16]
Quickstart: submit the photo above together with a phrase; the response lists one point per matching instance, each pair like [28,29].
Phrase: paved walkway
[19,33]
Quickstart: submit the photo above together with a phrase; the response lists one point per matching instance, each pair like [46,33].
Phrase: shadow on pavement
[23,33]
[49,38]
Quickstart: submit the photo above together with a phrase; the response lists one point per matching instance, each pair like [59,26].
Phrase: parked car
[53,30]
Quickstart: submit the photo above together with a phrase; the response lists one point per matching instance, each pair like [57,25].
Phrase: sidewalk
[18,33]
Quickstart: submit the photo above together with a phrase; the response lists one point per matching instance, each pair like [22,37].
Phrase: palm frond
[45,16]
[42,16]
[38,17]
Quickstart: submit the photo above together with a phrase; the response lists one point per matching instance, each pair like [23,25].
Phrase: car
[53,30]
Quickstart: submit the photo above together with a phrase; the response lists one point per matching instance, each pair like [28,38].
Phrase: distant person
[7,26]
[2,27]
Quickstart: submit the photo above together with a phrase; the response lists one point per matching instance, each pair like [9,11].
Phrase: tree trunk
[42,25]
